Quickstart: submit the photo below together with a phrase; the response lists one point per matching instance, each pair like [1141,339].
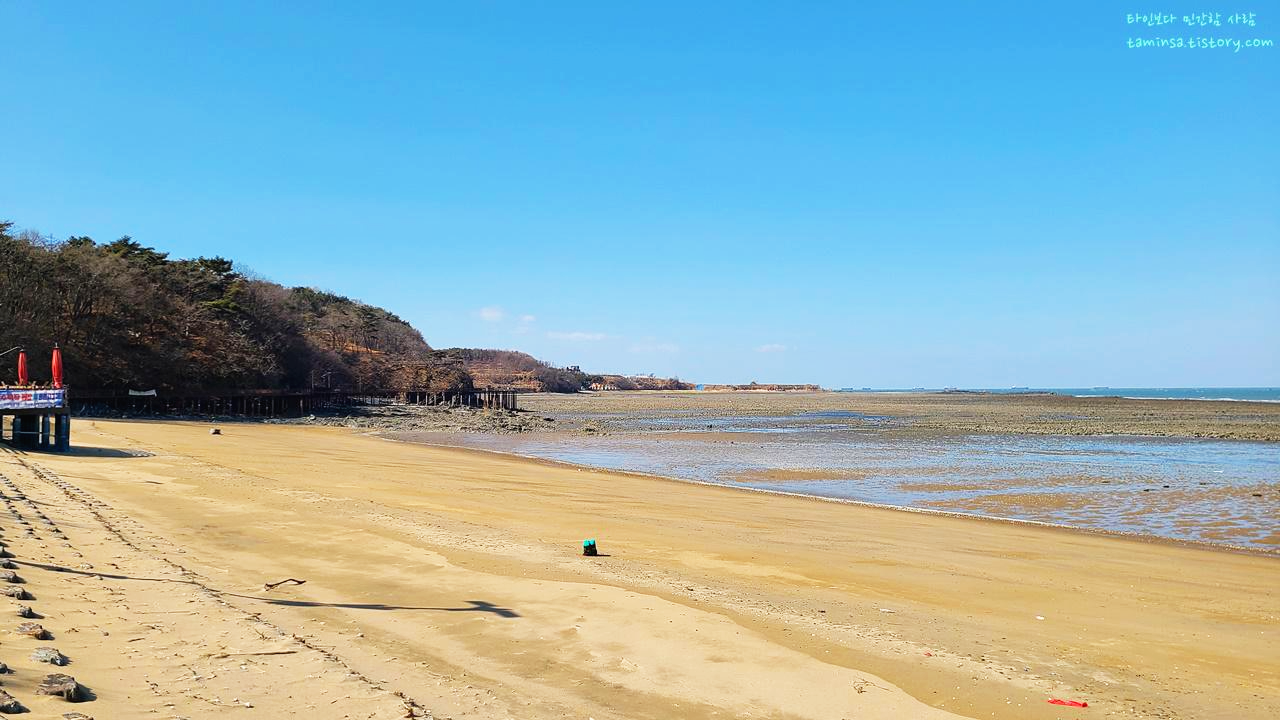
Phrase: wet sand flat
[1042,414]
[1203,471]
[455,578]
[1215,491]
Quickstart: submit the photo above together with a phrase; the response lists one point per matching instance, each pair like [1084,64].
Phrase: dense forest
[130,317]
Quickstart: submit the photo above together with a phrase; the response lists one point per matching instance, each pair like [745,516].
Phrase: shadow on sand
[472,605]
[100,452]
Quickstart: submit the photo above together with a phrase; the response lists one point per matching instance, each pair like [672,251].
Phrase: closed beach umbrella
[22,367]
[57,367]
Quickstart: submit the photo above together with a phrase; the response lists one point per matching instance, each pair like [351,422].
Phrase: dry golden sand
[454,578]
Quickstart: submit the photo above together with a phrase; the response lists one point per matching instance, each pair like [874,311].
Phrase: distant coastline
[1246,394]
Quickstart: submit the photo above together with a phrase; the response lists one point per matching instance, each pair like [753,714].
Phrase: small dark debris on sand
[25,611]
[15,592]
[63,685]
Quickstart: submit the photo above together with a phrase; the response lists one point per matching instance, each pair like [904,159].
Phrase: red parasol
[57,367]
[22,367]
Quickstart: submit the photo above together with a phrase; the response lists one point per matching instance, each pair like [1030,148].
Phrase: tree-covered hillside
[128,316]
[517,370]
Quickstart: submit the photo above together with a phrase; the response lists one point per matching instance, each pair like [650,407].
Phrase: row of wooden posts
[282,404]
[491,399]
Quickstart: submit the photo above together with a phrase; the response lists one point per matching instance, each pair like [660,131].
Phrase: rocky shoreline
[420,418]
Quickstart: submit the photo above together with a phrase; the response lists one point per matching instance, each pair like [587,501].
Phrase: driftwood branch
[274,585]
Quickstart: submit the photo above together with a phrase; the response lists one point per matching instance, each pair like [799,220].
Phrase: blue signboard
[14,399]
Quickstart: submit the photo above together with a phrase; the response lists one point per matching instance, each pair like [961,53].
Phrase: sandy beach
[449,583]
[620,361]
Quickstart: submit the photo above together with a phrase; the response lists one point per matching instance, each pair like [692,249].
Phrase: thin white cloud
[526,322]
[576,336]
[654,348]
[491,314]
[771,348]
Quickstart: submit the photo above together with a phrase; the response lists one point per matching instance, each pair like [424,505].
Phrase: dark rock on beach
[9,704]
[49,655]
[35,630]
[62,685]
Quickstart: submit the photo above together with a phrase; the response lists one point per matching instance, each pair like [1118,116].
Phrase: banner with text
[11,399]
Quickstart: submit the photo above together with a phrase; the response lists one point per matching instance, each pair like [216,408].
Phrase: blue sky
[885,195]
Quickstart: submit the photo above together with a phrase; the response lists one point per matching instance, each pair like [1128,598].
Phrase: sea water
[1216,491]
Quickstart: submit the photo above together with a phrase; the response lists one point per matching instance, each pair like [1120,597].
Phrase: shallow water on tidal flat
[1207,490]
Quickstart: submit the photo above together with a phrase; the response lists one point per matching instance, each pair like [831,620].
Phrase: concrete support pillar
[62,433]
[27,432]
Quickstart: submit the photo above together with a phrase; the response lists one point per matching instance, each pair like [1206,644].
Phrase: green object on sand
[589,546]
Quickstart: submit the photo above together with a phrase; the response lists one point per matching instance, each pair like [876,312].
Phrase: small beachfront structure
[41,418]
